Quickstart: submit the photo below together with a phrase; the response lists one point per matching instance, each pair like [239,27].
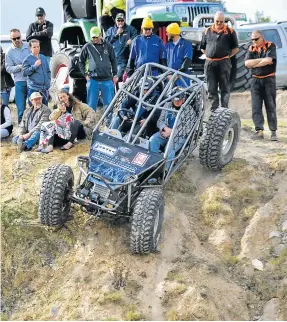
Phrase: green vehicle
[193,17]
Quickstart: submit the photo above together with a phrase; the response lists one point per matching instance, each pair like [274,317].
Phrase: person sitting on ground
[29,128]
[80,125]
[128,109]
[165,124]
[6,121]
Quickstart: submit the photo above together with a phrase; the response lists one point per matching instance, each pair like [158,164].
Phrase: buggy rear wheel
[147,221]
[55,195]
[219,139]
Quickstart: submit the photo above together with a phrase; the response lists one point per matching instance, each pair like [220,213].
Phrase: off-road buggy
[121,177]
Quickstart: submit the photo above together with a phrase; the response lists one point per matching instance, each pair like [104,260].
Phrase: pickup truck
[277,33]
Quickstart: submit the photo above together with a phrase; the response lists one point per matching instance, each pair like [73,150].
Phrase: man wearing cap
[37,71]
[42,30]
[98,63]
[146,48]
[121,36]
[178,52]
[13,63]
[219,43]
[30,126]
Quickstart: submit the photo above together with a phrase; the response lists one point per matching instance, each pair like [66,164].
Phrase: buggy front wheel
[147,221]
[55,195]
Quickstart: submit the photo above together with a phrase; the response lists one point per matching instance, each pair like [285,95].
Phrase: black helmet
[148,82]
[180,93]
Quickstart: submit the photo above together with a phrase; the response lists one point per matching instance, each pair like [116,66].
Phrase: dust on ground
[222,254]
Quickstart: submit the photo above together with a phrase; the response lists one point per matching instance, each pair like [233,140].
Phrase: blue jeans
[20,98]
[5,94]
[43,92]
[116,121]
[33,139]
[121,69]
[156,141]
[94,87]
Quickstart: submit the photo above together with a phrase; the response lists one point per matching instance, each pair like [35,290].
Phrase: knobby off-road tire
[219,139]
[55,195]
[241,76]
[147,221]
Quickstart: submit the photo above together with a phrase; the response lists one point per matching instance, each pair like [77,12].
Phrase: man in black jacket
[98,63]
[6,80]
[42,30]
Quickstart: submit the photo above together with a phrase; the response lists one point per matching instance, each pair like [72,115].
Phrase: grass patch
[282,258]
[250,211]
[172,315]
[110,319]
[213,209]
[175,276]
[180,182]
[231,260]
[133,315]
[110,297]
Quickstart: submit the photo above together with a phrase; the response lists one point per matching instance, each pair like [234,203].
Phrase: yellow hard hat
[173,29]
[147,23]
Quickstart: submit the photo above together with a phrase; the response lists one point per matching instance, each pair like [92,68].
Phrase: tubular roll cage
[191,125]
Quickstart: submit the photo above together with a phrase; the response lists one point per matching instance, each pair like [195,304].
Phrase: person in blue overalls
[121,36]
[146,48]
[178,52]
[165,124]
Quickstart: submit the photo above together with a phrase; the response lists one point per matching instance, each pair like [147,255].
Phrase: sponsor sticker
[125,150]
[106,149]
[140,159]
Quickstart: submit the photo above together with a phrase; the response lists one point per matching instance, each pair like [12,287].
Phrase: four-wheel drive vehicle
[275,32]
[121,177]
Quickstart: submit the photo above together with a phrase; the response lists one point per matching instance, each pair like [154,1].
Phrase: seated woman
[71,120]
[6,120]
[128,109]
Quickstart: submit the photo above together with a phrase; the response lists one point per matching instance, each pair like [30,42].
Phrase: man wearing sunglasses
[146,48]
[219,43]
[121,36]
[261,58]
[14,59]
[42,30]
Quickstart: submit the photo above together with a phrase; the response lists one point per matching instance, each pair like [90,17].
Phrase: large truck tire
[240,75]
[83,9]
[219,140]
[147,221]
[55,195]
[63,59]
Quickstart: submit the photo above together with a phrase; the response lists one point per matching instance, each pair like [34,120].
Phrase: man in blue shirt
[121,36]
[178,52]
[13,64]
[36,69]
[146,48]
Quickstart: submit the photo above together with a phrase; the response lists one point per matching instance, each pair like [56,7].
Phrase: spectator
[129,107]
[219,43]
[13,63]
[178,53]
[121,36]
[6,120]
[71,120]
[165,124]
[6,81]
[99,65]
[37,71]
[261,58]
[146,48]
[29,128]
[68,12]
[43,31]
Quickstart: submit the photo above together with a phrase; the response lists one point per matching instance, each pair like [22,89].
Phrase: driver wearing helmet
[166,122]
[128,109]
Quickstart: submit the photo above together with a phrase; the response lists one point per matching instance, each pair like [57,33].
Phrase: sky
[20,13]
[276,9]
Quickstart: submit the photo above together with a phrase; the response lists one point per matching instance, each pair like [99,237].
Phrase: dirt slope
[222,256]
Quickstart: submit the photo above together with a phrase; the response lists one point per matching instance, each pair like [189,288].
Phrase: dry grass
[110,297]
[132,314]
[175,276]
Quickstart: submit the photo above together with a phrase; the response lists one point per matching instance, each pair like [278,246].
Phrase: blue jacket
[147,50]
[38,77]
[179,57]
[119,42]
